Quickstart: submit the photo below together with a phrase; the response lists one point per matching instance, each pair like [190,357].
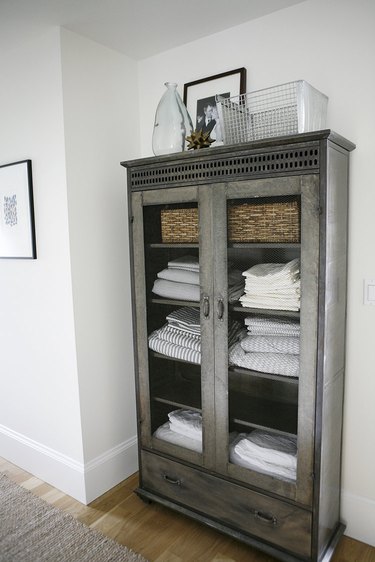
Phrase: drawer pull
[265,517]
[172,480]
[206,306]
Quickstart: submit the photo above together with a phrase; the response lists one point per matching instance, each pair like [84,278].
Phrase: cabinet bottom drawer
[277,522]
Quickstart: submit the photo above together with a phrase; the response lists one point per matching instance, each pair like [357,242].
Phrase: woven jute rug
[31,530]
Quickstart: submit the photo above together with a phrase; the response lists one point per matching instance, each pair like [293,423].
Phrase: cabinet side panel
[309,317]
[333,360]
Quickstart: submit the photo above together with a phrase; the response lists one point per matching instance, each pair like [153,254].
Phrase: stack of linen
[271,346]
[180,281]
[236,284]
[180,337]
[266,452]
[273,285]
[184,428]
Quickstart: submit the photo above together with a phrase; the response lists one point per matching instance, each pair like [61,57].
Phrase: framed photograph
[200,99]
[17,226]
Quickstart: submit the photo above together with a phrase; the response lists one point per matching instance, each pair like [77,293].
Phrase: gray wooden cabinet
[290,518]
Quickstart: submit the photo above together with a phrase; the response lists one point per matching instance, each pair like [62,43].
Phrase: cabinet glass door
[270,237]
[172,297]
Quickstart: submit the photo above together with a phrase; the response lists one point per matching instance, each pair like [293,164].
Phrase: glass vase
[172,123]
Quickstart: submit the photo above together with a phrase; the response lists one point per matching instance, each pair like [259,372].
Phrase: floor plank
[158,533]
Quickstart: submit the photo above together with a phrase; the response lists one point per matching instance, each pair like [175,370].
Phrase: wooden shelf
[161,245]
[174,302]
[264,245]
[168,358]
[185,395]
[257,412]
[280,378]
[264,311]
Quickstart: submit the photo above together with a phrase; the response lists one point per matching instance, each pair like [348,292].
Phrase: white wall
[39,404]
[101,129]
[67,400]
[331,44]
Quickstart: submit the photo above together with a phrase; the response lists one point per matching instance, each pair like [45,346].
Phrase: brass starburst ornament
[197,139]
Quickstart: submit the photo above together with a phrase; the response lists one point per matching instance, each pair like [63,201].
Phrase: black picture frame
[199,98]
[17,222]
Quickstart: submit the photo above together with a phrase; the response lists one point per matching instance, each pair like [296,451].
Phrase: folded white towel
[186,422]
[273,286]
[191,263]
[266,452]
[271,272]
[179,275]
[292,305]
[165,433]
[178,291]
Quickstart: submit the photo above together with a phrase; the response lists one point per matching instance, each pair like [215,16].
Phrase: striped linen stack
[274,286]
[271,345]
[180,337]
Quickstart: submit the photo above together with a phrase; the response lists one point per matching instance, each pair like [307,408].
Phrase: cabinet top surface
[290,140]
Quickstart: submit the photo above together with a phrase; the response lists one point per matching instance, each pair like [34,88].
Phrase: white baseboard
[107,470]
[359,515]
[82,481]
[87,481]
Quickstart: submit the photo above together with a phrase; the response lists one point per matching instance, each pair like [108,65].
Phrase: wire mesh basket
[287,109]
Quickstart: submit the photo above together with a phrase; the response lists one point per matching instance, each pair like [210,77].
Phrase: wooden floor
[159,534]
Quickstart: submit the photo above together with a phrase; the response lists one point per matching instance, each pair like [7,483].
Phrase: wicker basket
[179,226]
[277,222]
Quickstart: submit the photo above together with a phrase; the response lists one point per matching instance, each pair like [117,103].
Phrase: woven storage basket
[179,226]
[277,222]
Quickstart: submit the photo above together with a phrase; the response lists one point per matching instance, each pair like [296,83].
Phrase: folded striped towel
[270,344]
[274,363]
[186,317]
[271,326]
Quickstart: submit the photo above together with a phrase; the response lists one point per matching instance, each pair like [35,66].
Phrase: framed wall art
[200,99]
[17,226]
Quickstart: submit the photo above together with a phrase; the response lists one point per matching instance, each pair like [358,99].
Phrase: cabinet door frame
[165,196]
[307,187]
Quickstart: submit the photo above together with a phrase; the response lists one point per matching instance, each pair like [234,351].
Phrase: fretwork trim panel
[288,161]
